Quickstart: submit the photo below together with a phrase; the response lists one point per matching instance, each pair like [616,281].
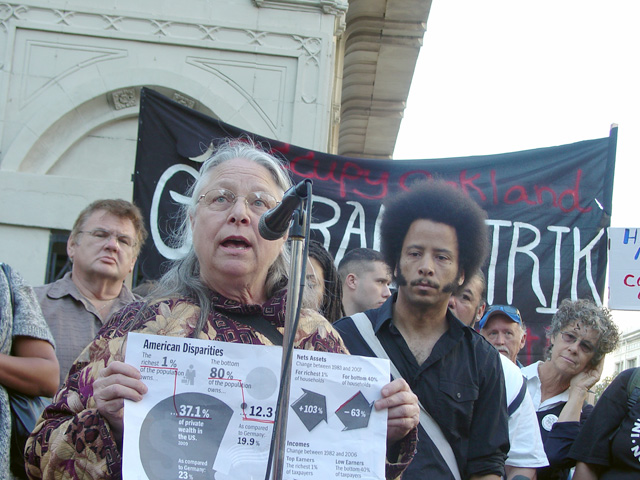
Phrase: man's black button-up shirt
[460,384]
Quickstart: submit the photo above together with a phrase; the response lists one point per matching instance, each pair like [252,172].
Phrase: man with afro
[431,237]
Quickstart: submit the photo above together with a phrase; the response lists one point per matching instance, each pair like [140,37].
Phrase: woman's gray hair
[183,276]
[589,315]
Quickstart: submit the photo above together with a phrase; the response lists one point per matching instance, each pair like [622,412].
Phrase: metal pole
[295,276]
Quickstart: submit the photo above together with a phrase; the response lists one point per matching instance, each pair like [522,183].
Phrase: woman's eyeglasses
[585,346]
[221,199]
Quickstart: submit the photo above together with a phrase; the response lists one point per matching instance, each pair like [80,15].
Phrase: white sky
[498,76]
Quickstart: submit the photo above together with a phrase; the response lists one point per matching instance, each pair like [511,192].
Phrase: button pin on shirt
[548,421]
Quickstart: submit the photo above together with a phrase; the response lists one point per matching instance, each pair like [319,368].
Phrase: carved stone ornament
[331,7]
[124,98]
[184,100]
[163,30]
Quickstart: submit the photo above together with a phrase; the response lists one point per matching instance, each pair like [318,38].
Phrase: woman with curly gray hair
[580,335]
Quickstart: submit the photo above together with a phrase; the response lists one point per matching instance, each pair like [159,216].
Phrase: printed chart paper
[210,409]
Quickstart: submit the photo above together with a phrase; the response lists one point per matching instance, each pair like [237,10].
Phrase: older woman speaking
[228,274]
[581,333]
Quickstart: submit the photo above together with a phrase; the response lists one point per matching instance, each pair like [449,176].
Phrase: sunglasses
[512,312]
[508,309]
[585,346]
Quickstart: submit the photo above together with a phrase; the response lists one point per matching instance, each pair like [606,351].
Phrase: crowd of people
[459,404]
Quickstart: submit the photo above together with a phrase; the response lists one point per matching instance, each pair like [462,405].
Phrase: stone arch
[64,122]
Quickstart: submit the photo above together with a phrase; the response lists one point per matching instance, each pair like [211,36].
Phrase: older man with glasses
[103,248]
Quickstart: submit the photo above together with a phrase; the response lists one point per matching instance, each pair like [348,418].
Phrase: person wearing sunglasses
[580,335]
[503,327]
[103,248]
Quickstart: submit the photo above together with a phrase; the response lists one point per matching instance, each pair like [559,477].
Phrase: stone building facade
[316,73]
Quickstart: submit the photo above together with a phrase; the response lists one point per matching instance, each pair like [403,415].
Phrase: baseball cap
[512,312]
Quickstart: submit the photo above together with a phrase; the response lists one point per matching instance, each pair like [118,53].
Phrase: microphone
[275,223]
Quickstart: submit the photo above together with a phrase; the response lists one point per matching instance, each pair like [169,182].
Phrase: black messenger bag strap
[363,324]
[259,324]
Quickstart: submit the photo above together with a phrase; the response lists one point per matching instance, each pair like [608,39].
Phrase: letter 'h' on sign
[624,268]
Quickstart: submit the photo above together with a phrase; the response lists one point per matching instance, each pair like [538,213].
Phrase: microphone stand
[296,282]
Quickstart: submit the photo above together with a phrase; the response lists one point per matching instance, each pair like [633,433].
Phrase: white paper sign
[210,409]
[624,268]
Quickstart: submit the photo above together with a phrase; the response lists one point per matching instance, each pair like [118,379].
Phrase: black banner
[548,208]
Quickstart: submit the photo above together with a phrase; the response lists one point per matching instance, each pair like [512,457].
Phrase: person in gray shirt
[28,362]
[103,248]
